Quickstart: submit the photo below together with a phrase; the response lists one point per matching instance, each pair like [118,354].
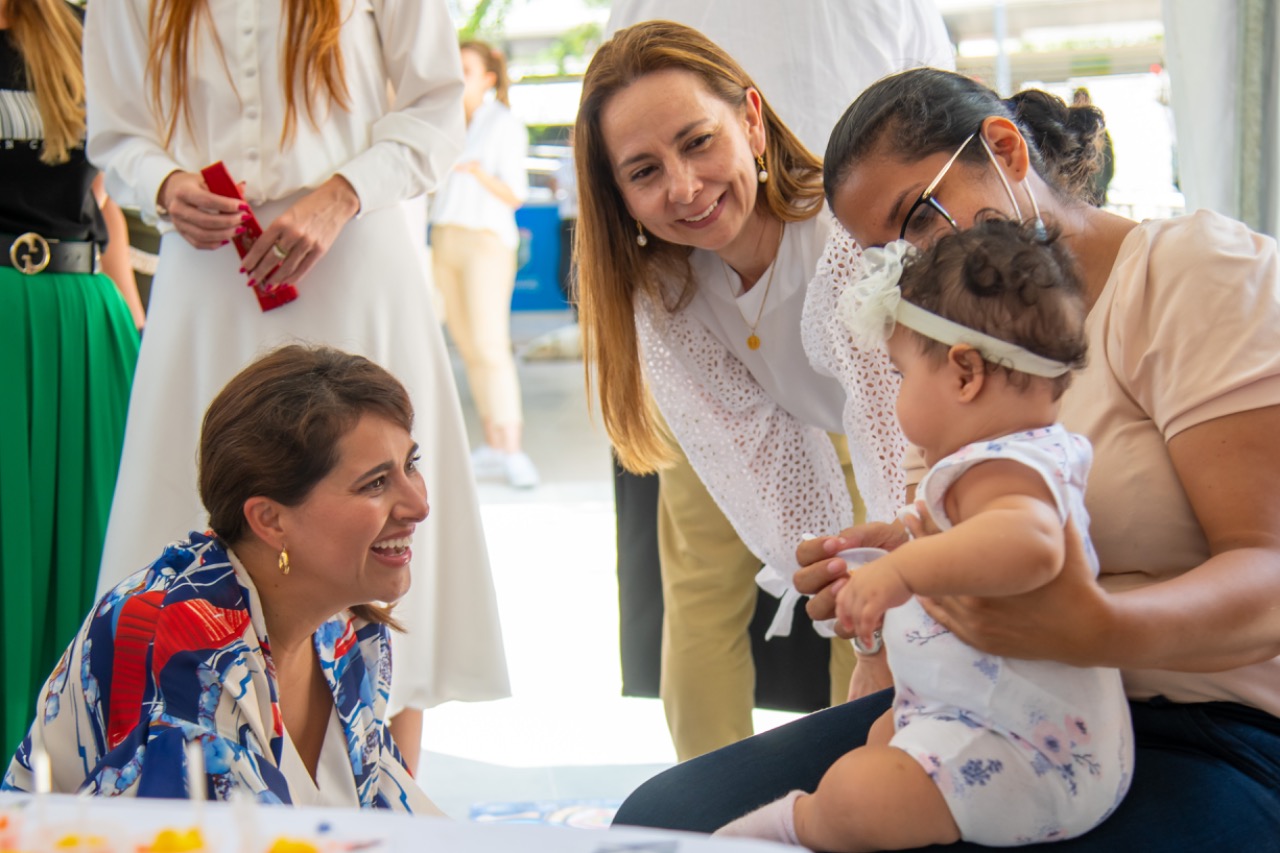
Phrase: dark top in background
[54,201]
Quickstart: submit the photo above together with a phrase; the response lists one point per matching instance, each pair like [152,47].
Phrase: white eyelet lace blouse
[754,423]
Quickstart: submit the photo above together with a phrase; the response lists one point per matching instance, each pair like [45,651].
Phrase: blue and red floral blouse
[179,653]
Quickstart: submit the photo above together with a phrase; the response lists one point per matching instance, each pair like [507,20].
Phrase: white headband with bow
[871,308]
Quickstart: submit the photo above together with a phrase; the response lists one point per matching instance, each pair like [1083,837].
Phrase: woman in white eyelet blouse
[751,422]
[701,224]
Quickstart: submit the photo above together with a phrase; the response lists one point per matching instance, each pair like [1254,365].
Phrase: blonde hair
[48,35]
[495,63]
[612,270]
[312,53]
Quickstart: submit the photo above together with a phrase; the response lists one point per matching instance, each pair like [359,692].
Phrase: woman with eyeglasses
[1181,401]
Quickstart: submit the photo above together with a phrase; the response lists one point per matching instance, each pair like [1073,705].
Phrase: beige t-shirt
[1186,330]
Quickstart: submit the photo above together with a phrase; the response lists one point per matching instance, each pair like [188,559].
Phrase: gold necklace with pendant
[753,340]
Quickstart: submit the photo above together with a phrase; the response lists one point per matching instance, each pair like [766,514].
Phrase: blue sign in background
[538,273]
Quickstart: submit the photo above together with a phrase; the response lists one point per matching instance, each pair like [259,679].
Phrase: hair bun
[1069,139]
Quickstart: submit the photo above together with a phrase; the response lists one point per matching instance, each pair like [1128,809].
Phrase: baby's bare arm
[1007,538]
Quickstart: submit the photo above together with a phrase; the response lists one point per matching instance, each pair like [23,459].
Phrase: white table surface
[246,828]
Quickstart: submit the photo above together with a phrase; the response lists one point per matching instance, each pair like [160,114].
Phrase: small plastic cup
[855,558]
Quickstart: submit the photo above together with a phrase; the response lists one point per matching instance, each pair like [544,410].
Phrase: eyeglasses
[910,223]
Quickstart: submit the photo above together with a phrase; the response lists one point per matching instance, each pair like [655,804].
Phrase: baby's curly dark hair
[1004,279]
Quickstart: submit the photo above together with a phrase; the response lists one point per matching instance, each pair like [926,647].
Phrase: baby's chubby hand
[871,590]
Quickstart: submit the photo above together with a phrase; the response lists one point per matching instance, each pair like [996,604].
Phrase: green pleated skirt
[67,353]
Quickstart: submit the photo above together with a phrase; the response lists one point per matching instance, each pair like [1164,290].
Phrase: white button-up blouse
[403,130]
[498,141]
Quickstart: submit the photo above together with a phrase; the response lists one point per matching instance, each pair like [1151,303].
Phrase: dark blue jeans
[1206,777]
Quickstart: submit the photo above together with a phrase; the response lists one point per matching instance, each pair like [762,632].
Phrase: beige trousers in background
[709,598]
[475,274]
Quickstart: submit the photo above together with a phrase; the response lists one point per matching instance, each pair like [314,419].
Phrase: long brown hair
[48,35]
[312,53]
[496,64]
[611,268]
[273,431]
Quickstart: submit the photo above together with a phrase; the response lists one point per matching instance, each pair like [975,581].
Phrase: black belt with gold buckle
[31,254]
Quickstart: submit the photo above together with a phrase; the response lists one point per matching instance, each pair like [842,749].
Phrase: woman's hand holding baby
[1070,620]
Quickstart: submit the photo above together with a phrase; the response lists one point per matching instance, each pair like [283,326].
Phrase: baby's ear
[969,369]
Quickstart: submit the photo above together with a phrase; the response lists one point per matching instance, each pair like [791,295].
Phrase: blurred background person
[68,342]
[294,98]
[473,248]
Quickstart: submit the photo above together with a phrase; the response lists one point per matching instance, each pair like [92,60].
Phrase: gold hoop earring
[641,239]
[763,175]
[283,562]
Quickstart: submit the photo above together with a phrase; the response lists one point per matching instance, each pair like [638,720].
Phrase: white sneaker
[521,474]
[488,463]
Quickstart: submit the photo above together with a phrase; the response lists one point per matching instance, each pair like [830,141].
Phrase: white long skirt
[368,295]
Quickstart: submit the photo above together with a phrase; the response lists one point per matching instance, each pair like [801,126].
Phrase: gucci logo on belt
[29,253]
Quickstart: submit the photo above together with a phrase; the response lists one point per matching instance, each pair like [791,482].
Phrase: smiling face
[349,540]
[683,159]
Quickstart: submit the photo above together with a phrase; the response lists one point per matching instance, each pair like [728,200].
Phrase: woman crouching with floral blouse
[264,640]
